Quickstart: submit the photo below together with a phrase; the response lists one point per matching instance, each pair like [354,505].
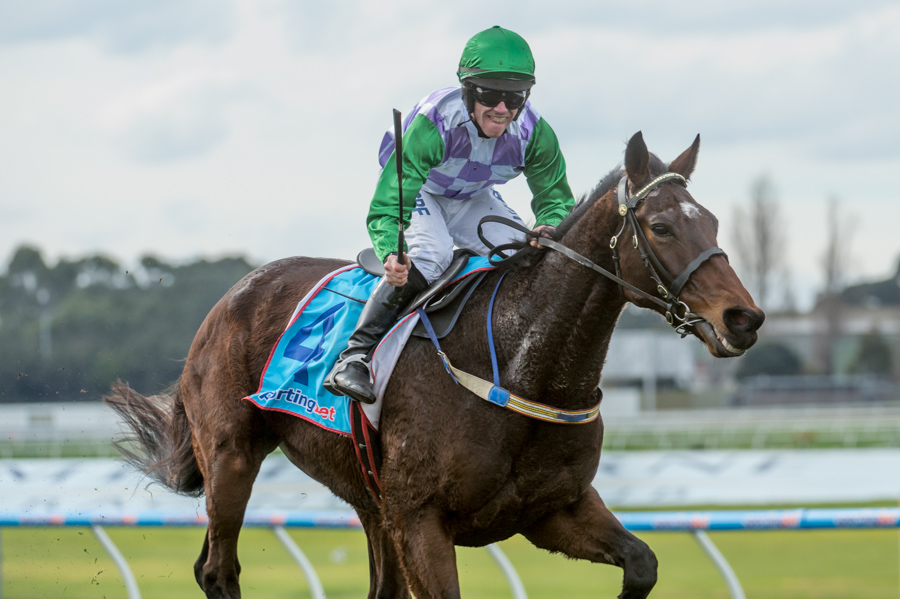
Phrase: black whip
[398,155]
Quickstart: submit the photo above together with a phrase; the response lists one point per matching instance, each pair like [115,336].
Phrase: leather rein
[677,312]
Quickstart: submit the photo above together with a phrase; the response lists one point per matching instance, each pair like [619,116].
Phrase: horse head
[674,234]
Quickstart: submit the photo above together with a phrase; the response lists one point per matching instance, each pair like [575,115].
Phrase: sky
[210,128]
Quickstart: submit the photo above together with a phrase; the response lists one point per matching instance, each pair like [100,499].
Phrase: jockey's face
[493,121]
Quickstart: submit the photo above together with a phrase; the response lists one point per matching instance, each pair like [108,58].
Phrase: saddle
[443,302]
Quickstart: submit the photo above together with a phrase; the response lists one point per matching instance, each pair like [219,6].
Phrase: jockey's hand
[542,231]
[395,271]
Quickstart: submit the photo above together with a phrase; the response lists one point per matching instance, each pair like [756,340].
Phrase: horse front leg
[426,551]
[386,580]
[588,530]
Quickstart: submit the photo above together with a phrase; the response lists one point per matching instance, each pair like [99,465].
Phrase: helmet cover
[497,58]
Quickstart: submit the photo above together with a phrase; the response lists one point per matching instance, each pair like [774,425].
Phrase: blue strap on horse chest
[496,394]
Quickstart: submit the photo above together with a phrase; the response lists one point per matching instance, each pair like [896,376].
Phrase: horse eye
[660,230]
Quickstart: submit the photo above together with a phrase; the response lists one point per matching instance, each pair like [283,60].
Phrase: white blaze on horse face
[690,210]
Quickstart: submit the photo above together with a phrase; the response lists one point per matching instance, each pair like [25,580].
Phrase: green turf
[41,563]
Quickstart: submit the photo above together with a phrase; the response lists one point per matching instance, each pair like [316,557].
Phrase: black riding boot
[351,375]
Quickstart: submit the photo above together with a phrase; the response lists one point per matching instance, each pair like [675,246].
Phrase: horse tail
[159,441]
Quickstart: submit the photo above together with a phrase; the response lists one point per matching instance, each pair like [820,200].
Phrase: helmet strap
[468,98]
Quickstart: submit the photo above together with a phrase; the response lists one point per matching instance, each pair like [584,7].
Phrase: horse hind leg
[229,481]
[588,530]
[386,580]
[201,561]
[230,450]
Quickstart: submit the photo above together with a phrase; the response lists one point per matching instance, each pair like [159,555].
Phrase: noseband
[668,286]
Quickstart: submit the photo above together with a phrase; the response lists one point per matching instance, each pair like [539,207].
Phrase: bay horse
[457,470]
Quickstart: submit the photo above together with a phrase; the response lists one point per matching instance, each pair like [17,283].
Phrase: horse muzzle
[741,326]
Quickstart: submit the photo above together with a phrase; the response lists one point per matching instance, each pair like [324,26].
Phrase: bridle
[668,287]
[678,313]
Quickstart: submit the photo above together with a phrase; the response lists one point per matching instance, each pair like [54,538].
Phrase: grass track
[40,563]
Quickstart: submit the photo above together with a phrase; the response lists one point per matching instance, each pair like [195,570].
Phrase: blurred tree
[874,355]
[760,240]
[838,234]
[27,259]
[106,323]
[774,359]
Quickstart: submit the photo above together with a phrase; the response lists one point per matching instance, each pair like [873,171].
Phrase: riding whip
[398,155]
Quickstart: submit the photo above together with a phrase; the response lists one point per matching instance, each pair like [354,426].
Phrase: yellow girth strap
[501,397]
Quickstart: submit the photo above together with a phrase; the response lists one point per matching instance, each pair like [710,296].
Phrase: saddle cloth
[316,334]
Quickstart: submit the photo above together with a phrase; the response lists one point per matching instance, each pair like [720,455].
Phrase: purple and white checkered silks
[471,163]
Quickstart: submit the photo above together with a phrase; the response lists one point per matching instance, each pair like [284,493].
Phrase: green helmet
[497,58]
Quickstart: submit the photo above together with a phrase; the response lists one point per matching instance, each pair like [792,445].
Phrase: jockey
[457,144]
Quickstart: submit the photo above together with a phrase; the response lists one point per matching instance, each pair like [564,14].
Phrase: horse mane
[526,255]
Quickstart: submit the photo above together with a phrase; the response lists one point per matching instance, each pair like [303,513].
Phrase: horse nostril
[743,319]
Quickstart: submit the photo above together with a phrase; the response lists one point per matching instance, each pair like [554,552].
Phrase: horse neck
[558,317]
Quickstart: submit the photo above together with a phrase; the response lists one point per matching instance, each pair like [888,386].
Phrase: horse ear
[685,163]
[637,159]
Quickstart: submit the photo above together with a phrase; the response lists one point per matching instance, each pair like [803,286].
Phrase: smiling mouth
[713,337]
[498,119]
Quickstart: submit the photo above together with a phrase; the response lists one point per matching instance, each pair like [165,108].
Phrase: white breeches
[438,224]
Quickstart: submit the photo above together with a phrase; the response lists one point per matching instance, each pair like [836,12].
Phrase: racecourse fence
[845,426]
[86,429]
[696,523]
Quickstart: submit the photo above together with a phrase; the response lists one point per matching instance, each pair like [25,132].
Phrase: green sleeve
[545,169]
[423,149]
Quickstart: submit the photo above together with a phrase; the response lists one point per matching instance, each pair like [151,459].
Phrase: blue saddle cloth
[309,347]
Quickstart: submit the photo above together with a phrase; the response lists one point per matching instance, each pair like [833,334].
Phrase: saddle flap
[444,313]
[460,259]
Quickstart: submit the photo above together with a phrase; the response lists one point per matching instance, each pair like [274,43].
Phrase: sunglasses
[492,97]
